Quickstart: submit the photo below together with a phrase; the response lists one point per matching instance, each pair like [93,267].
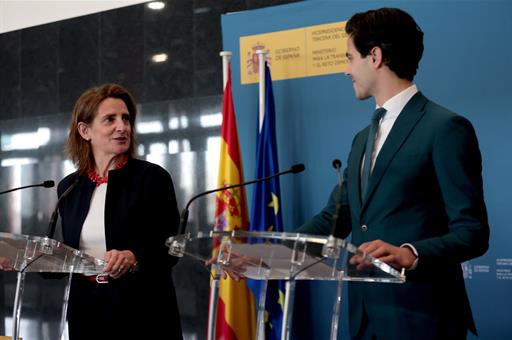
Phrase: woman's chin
[121,150]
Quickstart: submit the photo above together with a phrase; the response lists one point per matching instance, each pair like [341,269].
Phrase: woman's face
[110,131]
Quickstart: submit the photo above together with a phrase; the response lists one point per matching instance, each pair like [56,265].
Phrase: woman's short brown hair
[85,110]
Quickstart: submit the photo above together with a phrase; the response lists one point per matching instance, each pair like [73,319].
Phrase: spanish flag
[236,314]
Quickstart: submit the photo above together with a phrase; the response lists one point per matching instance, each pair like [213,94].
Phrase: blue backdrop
[466,67]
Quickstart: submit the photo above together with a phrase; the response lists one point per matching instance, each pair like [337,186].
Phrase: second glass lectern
[281,256]
[23,253]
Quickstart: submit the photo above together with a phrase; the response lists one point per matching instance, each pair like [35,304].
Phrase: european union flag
[266,207]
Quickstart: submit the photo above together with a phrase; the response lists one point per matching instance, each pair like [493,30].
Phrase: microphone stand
[331,249]
[184,214]
[46,184]
[48,241]
[55,213]
[177,248]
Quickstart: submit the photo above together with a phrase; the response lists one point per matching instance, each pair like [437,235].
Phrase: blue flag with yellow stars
[266,213]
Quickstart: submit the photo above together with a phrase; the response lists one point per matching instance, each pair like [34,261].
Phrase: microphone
[336,163]
[46,184]
[184,214]
[55,213]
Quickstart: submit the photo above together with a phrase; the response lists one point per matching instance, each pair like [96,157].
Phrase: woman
[121,210]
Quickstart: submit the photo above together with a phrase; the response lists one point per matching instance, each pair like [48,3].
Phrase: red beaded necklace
[99,180]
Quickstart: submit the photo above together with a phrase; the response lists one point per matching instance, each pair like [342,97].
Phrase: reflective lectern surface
[41,254]
[270,256]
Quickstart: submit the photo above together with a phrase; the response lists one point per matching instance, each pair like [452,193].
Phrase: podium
[281,256]
[23,253]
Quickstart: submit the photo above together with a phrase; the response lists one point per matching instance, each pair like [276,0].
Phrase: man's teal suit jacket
[425,189]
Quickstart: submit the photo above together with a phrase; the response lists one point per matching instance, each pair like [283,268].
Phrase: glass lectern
[281,256]
[23,253]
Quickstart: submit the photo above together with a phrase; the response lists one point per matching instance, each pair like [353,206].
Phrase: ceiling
[18,14]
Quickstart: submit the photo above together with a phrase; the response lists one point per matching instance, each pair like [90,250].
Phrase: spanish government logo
[252,58]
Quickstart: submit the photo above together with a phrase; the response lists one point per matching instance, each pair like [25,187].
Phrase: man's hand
[235,268]
[6,264]
[397,257]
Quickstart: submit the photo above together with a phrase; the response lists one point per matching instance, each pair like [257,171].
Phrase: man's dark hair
[395,32]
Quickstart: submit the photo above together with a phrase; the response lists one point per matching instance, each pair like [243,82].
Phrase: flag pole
[260,322]
[215,285]
[261,68]
[226,58]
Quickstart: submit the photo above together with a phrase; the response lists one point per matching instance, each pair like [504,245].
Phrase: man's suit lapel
[354,172]
[403,126]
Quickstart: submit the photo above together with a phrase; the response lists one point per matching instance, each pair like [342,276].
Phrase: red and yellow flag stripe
[236,314]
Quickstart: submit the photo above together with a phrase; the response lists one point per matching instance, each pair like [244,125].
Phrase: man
[421,207]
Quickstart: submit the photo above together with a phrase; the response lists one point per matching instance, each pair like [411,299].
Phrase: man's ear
[376,56]
[83,130]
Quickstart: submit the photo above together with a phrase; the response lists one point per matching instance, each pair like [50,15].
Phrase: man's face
[361,71]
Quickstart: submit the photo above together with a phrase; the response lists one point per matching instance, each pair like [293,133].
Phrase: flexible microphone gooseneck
[55,213]
[184,214]
[46,184]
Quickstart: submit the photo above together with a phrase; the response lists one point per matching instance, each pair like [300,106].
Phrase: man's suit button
[364,227]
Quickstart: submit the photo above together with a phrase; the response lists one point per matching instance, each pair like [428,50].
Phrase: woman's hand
[119,262]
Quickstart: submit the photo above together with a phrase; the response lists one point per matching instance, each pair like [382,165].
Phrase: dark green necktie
[370,141]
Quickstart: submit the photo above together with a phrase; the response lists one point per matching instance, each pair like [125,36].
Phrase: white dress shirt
[92,239]
[393,107]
